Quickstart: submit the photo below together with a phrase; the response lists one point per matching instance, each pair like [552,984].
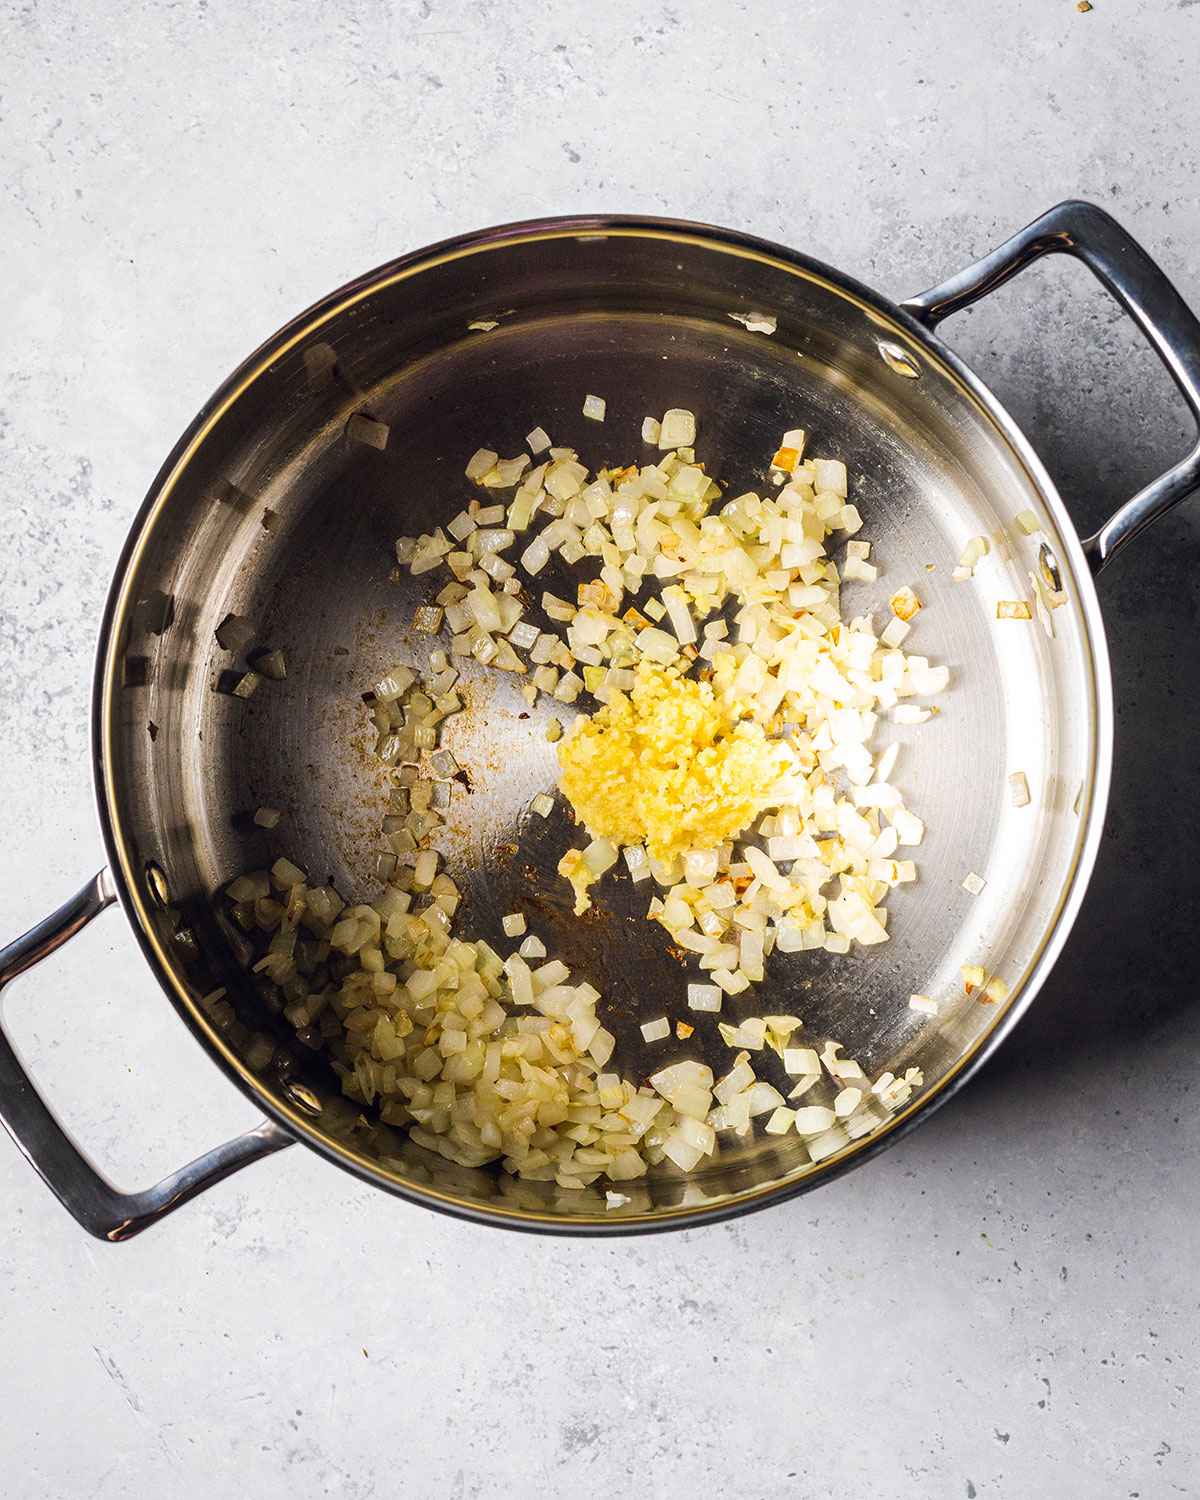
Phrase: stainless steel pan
[266,508]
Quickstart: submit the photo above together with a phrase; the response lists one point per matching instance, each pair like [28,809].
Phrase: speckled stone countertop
[1005,1304]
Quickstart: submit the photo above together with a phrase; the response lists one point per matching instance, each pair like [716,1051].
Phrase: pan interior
[278,515]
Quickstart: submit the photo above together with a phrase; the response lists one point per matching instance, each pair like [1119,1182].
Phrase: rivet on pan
[1048,567]
[899,361]
[303,1098]
[160,892]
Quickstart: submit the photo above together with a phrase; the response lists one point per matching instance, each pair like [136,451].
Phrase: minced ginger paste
[669,767]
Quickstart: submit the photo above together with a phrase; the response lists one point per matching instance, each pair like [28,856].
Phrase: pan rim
[126,872]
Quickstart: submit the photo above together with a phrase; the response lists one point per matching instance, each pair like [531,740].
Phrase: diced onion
[904,604]
[800,1060]
[846,1102]
[813,1119]
[480,463]
[677,429]
[781,1121]
[704,997]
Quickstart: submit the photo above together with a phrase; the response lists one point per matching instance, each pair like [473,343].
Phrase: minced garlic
[668,766]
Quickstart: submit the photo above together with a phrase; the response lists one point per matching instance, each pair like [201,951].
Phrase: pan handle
[83,1192]
[1121,265]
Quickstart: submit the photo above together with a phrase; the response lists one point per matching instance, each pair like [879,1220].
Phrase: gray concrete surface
[1006,1304]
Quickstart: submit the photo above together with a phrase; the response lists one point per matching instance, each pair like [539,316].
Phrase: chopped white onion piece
[427,618]
[535,556]
[704,997]
[513,924]
[599,856]
[976,548]
[700,868]
[1018,788]
[763,1097]
[924,1004]
[827,1143]
[798,1060]
[461,527]
[285,874]
[657,645]
[973,883]
[909,828]
[846,1102]
[480,463]
[813,1119]
[904,604]
[894,632]
[910,713]
[594,407]
[677,429]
